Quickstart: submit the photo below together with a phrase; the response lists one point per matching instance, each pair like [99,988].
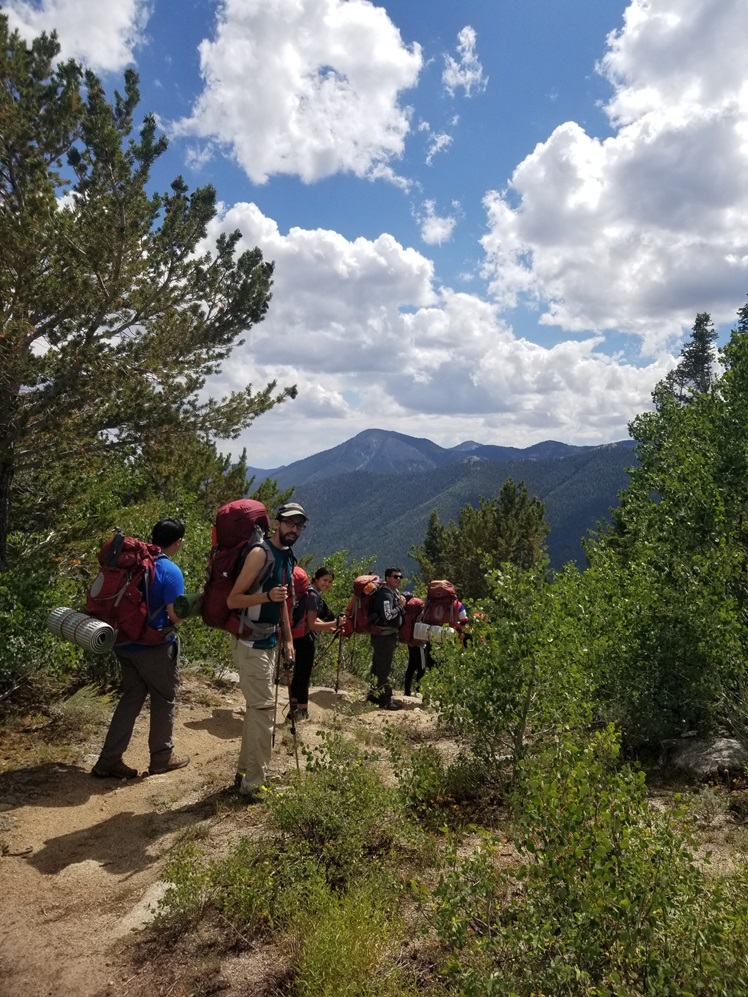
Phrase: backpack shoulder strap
[265,571]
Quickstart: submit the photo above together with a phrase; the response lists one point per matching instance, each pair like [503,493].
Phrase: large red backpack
[297,602]
[120,593]
[442,607]
[413,610]
[240,526]
[357,610]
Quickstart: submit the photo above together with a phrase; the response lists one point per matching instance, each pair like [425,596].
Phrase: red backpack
[413,610]
[240,526]
[297,602]
[442,607]
[120,593]
[357,610]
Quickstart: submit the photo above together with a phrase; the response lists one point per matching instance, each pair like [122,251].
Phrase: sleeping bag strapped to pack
[240,526]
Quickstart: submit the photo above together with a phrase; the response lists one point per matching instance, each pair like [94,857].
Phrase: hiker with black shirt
[150,670]
[416,653]
[386,615]
[317,619]
[265,622]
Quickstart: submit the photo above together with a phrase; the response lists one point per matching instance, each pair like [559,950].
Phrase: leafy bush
[341,813]
[327,833]
[523,671]
[27,596]
[609,902]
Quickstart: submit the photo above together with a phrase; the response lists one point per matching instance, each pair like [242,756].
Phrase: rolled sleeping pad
[426,631]
[87,632]
[188,604]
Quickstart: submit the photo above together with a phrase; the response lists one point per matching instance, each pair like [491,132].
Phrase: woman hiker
[316,620]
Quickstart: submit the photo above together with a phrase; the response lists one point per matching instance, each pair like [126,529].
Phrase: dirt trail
[85,855]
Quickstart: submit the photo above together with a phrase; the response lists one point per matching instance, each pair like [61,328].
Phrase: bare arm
[239,598]
[176,620]
[313,622]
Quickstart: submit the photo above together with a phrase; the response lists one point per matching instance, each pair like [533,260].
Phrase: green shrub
[340,812]
[27,596]
[609,901]
[348,948]
[524,670]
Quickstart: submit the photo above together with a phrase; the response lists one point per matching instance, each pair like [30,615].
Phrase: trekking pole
[293,719]
[321,657]
[277,686]
[340,655]
[288,664]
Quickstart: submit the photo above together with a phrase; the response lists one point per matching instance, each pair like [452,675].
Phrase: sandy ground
[83,856]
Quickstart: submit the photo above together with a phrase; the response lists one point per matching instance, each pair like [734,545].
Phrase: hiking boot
[298,714]
[391,704]
[170,764]
[115,769]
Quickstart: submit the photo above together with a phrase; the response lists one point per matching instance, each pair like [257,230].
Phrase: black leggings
[416,668]
[302,669]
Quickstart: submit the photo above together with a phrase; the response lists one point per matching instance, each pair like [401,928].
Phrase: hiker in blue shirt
[150,670]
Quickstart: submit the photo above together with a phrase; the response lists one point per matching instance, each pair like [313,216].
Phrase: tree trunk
[7,471]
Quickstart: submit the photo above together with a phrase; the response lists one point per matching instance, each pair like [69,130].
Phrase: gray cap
[289,510]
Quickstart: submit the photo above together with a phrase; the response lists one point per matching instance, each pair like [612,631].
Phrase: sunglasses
[396,576]
[298,522]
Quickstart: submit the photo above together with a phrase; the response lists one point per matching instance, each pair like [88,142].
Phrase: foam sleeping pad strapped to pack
[79,628]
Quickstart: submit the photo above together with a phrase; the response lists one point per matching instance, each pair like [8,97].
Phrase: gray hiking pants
[153,671]
[382,652]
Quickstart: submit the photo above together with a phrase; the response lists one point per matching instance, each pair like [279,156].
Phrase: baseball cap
[289,510]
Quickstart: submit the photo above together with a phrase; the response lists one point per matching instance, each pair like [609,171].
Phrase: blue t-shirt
[168,583]
[167,586]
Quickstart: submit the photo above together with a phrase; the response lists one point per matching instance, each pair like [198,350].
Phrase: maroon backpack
[357,610]
[442,608]
[120,593]
[240,526]
[413,610]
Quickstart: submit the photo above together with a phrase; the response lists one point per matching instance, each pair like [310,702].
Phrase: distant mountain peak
[467,446]
[385,451]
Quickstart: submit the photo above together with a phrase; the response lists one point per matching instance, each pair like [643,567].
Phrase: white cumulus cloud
[305,87]
[465,72]
[435,229]
[640,230]
[362,327]
[101,35]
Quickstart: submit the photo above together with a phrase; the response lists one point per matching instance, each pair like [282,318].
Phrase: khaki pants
[256,668]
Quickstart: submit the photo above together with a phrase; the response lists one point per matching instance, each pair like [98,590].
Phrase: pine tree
[112,312]
[694,373]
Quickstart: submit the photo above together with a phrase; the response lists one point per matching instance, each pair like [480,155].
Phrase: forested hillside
[383,516]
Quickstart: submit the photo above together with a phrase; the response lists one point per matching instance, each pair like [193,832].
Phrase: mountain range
[373,494]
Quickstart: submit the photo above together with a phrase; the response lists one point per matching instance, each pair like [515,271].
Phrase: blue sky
[493,220]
